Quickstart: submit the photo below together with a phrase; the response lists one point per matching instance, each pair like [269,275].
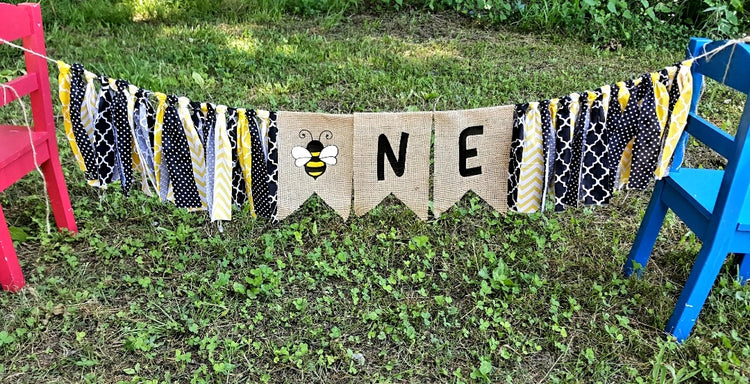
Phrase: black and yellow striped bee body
[315,167]
[315,157]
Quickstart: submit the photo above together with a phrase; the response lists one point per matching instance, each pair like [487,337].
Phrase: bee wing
[301,156]
[328,154]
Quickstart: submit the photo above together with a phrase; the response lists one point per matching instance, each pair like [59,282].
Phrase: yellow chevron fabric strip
[88,108]
[197,153]
[64,91]
[671,72]
[678,120]
[245,155]
[531,181]
[661,96]
[158,132]
[222,196]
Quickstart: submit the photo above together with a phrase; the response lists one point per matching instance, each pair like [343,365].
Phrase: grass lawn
[149,293]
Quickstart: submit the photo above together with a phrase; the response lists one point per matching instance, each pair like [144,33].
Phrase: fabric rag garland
[579,148]
[598,141]
[199,156]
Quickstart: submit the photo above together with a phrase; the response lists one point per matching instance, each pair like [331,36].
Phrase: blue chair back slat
[734,75]
[709,134]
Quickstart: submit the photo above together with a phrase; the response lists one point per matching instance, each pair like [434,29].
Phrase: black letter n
[384,148]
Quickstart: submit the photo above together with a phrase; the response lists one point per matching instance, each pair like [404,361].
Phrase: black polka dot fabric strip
[647,139]
[259,169]
[77,91]
[177,158]
[124,137]
[572,192]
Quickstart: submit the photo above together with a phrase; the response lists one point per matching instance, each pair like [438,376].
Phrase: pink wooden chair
[16,155]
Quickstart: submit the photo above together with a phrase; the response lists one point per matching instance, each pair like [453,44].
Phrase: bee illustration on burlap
[315,157]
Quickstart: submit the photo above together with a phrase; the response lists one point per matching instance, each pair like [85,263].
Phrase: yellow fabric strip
[530,182]
[590,97]
[158,131]
[671,72]
[245,155]
[678,120]
[63,80]
[623,170]
[607,92]
[222,194]
[661,96]
[88,108]
[197,153]
[553,107]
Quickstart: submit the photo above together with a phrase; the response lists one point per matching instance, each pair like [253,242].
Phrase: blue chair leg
[707,266]
[646,237]
[744,273]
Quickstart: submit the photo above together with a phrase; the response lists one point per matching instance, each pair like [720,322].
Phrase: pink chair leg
[58,192]
[11,278]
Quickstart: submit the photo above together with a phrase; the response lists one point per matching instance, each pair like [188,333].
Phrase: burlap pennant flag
[472,153]
[315,156]
[392,155]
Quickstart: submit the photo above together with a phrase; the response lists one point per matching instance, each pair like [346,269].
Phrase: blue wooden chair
[715,204]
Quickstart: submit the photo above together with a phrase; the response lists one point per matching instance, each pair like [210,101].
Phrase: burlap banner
[471,153]
[392,155]
[315,156]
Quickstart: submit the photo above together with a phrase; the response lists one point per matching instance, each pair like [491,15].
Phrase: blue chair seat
[692,194]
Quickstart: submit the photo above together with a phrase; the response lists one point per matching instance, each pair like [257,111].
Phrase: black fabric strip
[259,170]
[104,134]
[124,142]
[516,155]
[177,156]
[564,148]
[77,92]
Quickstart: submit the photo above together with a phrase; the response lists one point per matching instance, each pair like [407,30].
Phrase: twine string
[21,47]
